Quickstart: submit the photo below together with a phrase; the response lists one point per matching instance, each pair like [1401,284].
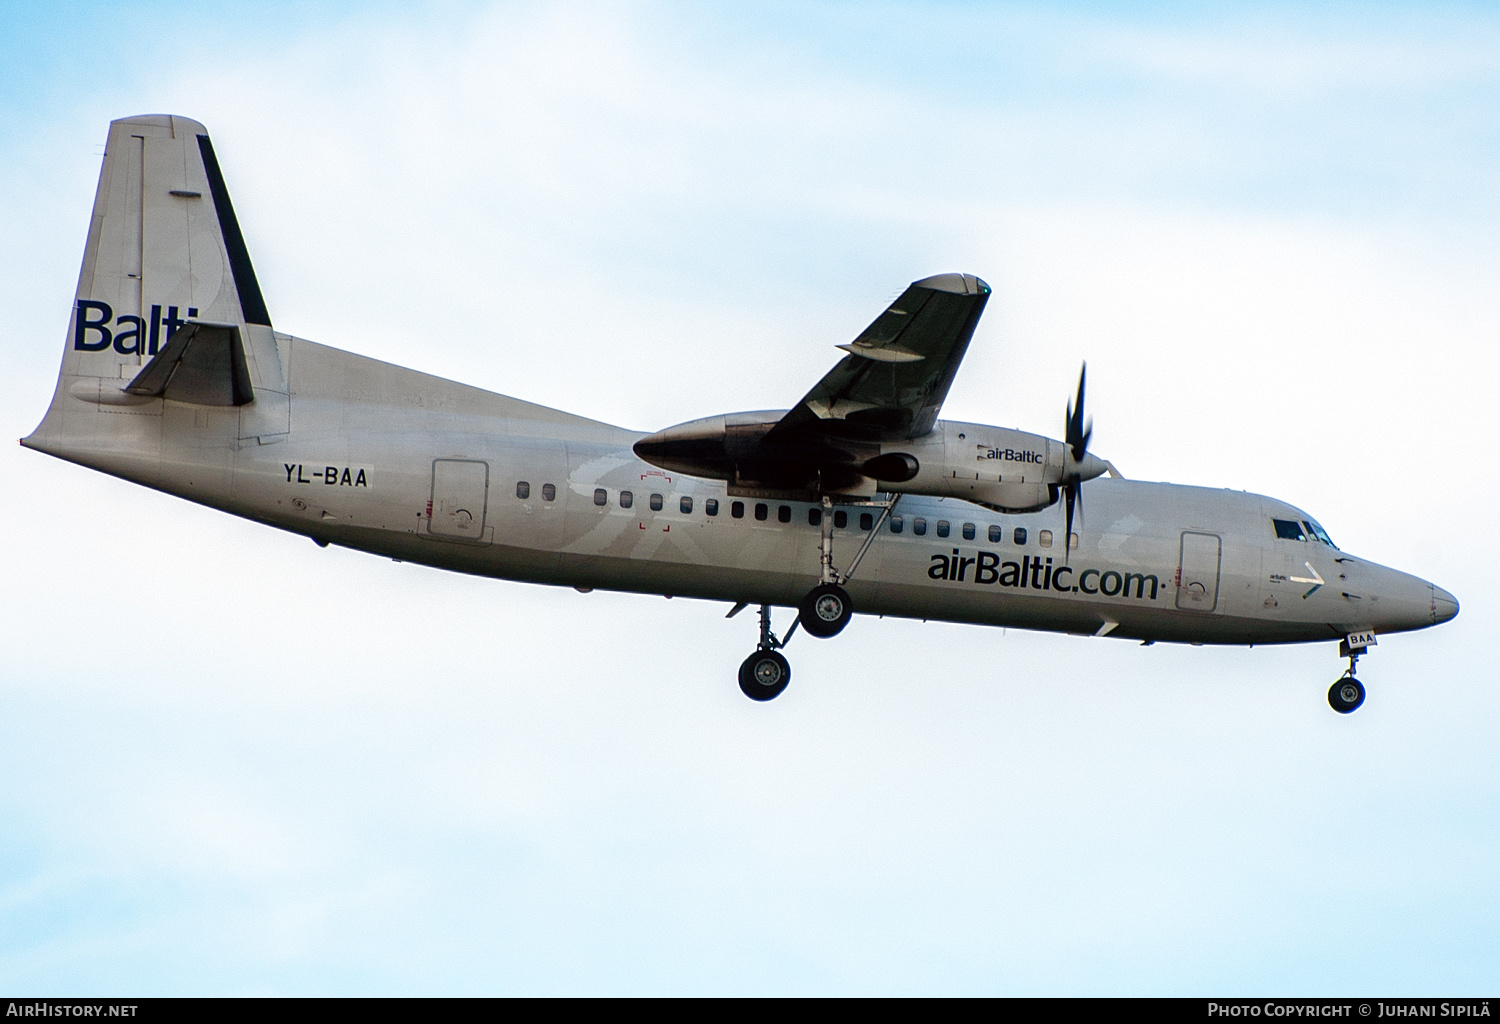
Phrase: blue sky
[231,762]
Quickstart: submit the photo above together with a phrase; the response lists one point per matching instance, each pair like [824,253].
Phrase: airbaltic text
[1035,573]
[1012,455]
[96,328]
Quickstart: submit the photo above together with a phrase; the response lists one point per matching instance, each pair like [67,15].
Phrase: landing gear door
[1198,572]
[459,492]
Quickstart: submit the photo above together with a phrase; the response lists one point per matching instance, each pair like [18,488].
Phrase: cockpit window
[1289,529]
[1318,532]
[1304,529]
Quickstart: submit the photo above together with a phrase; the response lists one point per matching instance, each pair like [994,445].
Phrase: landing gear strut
[1347,693]
[826,609]
[823,613]
[766,673]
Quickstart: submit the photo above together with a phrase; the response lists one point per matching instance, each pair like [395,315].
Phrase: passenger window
[896,523]
[549,493]
[841,519]
[784,514]
[995,534]
[601,496]
[866,521]
[737,509]
[1020,535]
[1288,529]
[627,498]
[1044,538]
[814,517]
[919,527]
[942,528]
[1072,542]
[523,490]
[762,510]
[656,502]
[968,531]
[685,504]
[711,507]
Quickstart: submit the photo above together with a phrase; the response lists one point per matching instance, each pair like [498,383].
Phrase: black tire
[764,675]
[1346,695]
[825,611]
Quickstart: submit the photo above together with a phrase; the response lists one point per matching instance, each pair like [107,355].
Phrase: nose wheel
[1347,693]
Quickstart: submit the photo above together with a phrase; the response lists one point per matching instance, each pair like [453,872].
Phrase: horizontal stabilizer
[203,364]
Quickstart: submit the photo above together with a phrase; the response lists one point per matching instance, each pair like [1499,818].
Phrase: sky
[234,763]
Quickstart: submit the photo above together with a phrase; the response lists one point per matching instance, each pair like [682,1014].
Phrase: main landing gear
[823,613]
[826,609]
[1347,693]
[766,673]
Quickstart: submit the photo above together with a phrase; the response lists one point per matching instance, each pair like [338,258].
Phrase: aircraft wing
[898,371]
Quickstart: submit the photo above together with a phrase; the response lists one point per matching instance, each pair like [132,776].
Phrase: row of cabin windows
[523,491]
[815,516]
[656,501]
[995,533]
[736,508]
[1286,529]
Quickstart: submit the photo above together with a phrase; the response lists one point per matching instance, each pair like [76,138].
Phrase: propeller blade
[1079,431]
[1069,496]
[1073,494]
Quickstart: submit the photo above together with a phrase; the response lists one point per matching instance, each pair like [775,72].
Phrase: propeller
[1078,433]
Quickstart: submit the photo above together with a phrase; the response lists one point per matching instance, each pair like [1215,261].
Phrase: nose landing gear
[1347,693]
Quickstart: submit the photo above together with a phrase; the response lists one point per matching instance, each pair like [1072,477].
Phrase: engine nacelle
[1009,470]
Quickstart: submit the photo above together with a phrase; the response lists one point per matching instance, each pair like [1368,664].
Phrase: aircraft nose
[1444,605]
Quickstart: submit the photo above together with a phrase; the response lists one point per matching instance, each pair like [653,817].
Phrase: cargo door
[1198,572]
[459,491]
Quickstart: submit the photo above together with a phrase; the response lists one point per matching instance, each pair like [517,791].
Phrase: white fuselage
[396,462]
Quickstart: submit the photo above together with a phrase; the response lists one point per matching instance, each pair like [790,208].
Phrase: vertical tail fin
[164,247]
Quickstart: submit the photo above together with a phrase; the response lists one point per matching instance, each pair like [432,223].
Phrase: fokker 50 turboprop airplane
[857,498]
